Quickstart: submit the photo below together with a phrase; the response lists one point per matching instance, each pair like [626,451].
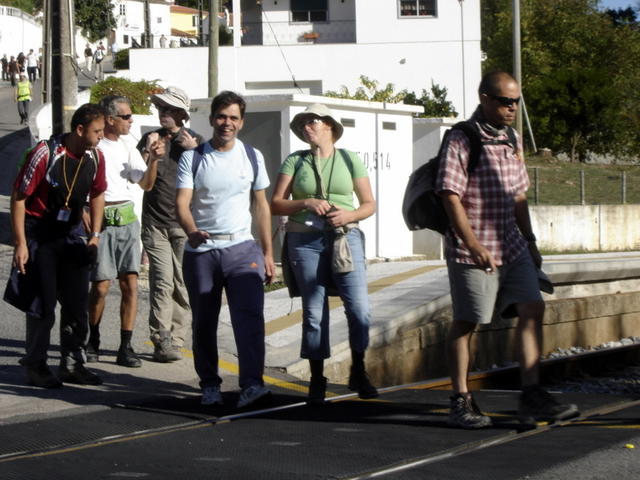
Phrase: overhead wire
[293,78]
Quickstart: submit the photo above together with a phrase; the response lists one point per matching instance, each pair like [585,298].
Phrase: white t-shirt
[124,168]
[221,198]
[32,60]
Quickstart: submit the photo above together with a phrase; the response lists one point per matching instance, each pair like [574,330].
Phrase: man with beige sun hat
[162,237]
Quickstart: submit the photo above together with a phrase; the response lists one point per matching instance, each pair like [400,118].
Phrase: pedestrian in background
[88,57]
[13,71]
[5,67]
[32,65]
[23,98]
[98,57]
[325,247]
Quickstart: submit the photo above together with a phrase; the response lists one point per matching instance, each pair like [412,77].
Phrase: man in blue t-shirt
[215,184]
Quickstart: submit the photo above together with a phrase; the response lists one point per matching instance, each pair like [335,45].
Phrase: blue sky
[617,3]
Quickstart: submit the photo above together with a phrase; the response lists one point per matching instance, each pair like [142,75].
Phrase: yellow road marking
[235,369]
[286,321]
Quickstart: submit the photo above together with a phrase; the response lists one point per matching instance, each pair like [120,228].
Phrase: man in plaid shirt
[491,251]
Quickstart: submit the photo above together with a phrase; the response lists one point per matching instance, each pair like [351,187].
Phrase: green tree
[27,6]
[369,91]
[435,103]
[95,18]
[580,71]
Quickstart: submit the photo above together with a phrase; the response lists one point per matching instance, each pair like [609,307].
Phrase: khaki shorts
[476,295]
[119,252]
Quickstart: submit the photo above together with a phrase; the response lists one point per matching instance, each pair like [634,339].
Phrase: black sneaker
[317,389]
[536,404]
[78,374]
[464,413]
[41,376]
[359,382]
[127,357]
[92,352]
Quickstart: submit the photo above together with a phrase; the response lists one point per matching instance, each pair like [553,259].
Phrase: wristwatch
[95,234]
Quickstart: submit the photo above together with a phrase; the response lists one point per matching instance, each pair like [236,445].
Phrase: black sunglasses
[124,117]
[505,101]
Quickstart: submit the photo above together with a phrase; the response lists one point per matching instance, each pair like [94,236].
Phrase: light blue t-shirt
[221,199]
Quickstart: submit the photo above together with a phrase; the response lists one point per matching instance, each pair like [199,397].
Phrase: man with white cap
[162,236]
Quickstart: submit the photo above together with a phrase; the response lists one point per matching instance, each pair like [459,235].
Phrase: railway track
[185,422]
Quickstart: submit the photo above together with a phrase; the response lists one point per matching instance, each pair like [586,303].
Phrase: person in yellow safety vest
[23,97]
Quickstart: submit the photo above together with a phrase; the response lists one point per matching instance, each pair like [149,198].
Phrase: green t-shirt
[337,177]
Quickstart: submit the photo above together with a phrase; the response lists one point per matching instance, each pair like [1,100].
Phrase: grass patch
[559,182]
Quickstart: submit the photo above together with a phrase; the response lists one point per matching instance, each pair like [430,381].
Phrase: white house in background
[324,44]
[129,15]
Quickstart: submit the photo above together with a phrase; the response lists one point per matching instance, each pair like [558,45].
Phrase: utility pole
[517,63]
[464,83]
[64,83]
[200,25]
[46,53]
[213,47]
[146,42]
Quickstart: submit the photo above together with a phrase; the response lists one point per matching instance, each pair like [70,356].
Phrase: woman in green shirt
[324,245]
[23,97]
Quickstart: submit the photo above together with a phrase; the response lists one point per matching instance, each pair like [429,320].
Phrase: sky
[617,3]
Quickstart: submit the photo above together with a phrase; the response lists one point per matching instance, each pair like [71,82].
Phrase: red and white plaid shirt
[488,195]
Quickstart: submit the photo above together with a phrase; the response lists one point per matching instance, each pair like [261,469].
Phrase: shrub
[121,62]
[138,92]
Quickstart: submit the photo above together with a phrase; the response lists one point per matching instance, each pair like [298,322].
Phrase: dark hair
[109,103]
[227,98]
[490,83]
[86,114]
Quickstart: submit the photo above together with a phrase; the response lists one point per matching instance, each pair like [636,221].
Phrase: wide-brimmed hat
[174,97]
[316,110]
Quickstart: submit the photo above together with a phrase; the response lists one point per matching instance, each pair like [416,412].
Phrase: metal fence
[574,186]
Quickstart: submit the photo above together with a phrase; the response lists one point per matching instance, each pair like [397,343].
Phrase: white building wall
[378,22]
[19,32]
[318,68]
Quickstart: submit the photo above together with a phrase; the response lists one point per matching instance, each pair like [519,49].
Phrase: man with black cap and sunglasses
[162,236]
[119,251]
[491,251]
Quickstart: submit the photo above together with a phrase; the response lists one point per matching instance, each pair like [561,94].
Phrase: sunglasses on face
[311,121]
[505,101]
[124,117]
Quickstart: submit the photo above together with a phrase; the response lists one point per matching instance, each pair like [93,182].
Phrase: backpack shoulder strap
[195,161]
[347,159]
[475,142]
[253,158]
[511,133]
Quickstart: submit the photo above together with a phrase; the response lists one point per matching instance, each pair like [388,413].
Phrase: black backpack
[421,206]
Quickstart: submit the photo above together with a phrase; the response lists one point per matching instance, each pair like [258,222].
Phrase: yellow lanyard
[75,177]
